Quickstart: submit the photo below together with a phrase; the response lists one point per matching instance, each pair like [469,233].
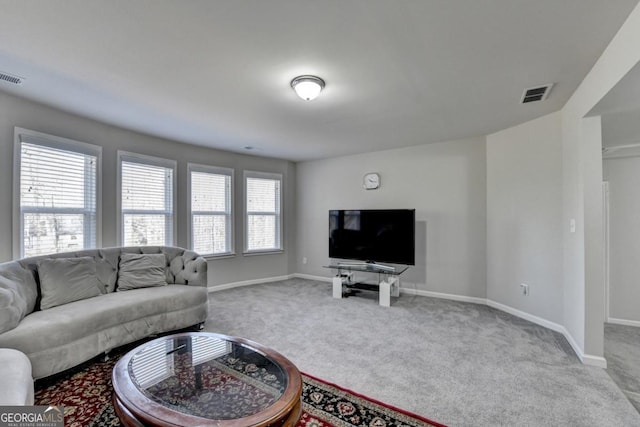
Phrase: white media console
[387,282]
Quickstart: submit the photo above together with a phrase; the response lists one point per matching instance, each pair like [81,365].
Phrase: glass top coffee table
[200,378]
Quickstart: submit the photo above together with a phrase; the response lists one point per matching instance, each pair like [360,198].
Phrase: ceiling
[216,72]
[620,111]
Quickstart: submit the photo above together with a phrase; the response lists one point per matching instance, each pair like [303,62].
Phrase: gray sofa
[51,311]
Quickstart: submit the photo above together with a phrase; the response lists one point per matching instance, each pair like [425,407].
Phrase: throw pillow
[141,271]
[64,280]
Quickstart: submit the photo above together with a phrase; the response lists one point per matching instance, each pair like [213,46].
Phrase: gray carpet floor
[456,363]
[622,351]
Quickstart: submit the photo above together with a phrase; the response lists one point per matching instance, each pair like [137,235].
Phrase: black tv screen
[385,235]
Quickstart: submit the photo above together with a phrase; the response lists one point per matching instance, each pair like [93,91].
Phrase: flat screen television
[376,236]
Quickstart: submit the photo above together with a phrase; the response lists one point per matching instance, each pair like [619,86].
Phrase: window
[147,200]
[210,190]
[58,181]
[263,231]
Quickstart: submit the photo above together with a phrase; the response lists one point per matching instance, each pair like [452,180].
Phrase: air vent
[10,78]
[538,93]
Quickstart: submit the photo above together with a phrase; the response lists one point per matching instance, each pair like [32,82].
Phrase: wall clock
[371,181]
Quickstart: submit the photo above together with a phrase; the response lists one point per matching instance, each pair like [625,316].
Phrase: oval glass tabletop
[207,377]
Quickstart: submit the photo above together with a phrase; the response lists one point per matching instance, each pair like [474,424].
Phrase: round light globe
[307,87]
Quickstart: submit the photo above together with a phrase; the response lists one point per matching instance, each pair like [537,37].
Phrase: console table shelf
[387,284]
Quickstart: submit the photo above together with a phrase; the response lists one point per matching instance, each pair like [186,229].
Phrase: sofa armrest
[16,382]
[194,271]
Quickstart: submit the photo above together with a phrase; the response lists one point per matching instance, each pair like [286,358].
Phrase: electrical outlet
[304,259]
[525,288]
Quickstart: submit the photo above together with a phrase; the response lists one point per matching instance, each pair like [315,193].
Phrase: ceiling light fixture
[307,87]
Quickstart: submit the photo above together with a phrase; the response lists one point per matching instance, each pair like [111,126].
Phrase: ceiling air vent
[5,77]
[534,94]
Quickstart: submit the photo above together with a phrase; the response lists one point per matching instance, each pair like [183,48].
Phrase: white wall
[623,175]
[582,167]
[444,182]
[524,212]
[20,112]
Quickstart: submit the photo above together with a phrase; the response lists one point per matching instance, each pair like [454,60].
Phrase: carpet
[86,391]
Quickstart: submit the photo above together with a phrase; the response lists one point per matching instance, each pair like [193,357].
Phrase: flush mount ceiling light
[307,87]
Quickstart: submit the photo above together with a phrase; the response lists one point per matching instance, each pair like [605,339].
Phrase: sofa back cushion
[183,267]
[141,271]
[64,280]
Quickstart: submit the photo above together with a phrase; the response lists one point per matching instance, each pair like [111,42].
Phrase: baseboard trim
[232,285]
[441,295]
[526,316]
[623,322]
[574,345]
[586,359]
[312,277]
[597,361]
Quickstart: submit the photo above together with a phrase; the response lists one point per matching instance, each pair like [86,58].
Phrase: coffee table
[200,378]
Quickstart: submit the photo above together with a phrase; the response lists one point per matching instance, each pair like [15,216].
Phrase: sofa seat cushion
[71,322]
[16,382]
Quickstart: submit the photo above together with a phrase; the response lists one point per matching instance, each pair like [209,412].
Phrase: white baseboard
[587,359]
[526,316]
[232,285]
[572,342]
[453,297]
[312,277]
[597,361]
[623,322]
[584,358]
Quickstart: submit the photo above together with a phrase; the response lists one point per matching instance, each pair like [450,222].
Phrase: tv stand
[368,265]
[387,283]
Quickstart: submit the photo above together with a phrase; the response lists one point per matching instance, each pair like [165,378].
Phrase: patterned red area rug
[86,396]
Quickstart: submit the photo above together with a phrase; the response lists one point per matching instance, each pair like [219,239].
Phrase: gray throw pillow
[141,271]
[64,280]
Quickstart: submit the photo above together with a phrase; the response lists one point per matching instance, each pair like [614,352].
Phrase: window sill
[265,252]
[211,257]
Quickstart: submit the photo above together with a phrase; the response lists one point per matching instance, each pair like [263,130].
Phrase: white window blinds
[211,212]
[263,211]
[204,349]
[154,363]
[147,201]
[58,186]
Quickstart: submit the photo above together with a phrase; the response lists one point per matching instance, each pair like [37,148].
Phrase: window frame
[272,176]
[215,170]
[55,142]
[127,156]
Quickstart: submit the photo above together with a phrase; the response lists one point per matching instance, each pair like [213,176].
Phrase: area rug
[85,394]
